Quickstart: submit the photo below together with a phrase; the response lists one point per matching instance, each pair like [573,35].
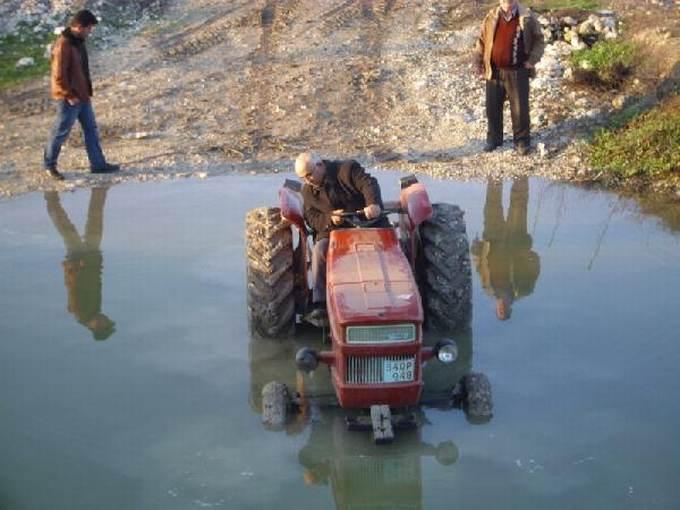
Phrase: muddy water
[128,378]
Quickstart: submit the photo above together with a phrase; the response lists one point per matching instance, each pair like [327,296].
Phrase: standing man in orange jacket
[72,89]
[510,45]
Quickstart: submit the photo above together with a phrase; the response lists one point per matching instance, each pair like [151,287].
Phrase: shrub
[646,146]
[606,64]
[24,43]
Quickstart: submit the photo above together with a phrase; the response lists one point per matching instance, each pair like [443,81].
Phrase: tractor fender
[415,201]
[291,206]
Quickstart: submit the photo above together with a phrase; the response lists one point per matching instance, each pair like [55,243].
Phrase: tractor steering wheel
[358,219]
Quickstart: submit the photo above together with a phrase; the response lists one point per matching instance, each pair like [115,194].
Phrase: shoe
[522,149]
[106,169]
[490,146]
[318,316]
[54,173]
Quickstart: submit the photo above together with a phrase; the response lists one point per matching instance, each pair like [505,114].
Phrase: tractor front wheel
[270,273]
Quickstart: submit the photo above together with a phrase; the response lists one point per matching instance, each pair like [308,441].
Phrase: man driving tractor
[329,189]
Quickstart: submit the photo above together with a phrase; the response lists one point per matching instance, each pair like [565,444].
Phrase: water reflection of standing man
[83,262]
[507,266]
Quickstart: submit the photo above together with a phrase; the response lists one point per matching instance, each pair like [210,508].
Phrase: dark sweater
[508,46]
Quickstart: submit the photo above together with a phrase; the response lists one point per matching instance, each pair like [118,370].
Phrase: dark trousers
[512,84]
[66,117]
[319,270]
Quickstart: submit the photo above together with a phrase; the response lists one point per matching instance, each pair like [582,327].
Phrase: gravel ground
[213,87]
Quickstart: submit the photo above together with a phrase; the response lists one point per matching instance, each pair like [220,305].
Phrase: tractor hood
[369,279]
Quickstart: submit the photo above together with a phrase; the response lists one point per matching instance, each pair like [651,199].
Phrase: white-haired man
[329,188]
[510,45]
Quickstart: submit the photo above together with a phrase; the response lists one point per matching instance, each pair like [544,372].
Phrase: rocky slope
[212,87]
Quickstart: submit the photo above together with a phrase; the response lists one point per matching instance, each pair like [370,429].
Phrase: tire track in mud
[355,10]
[367,78]
[275,19]
[208,34]
[28,102]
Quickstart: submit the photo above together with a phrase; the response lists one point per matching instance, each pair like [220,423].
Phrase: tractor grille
[380,369]
[388,334]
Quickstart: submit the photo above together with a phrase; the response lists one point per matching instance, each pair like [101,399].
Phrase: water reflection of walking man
[83,262]
[507,266]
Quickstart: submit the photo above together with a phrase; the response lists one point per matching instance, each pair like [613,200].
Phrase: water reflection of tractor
[363,475]
[385,287]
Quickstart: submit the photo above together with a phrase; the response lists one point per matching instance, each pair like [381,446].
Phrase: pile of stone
[42,15]
[45,15]
[580,33]
[566,34]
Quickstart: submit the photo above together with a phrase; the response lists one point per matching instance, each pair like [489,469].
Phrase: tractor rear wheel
[270,273]
[444,269]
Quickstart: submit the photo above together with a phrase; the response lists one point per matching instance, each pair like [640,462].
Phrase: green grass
[558,5]
[606,64]
[646,146]
[24,43]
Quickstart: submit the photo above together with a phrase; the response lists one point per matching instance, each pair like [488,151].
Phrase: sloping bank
[637,146]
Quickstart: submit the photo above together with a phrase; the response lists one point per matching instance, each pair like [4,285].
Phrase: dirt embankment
[212,87]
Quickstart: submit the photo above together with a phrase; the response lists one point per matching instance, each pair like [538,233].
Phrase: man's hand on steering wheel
[372,211]
[336,217]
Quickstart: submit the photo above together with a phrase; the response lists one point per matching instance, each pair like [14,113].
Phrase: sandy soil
[214,87]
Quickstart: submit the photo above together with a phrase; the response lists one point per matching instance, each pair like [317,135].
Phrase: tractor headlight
[306,359]
[447,351]
[391,333]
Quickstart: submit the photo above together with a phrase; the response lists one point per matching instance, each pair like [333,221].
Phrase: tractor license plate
[398,370]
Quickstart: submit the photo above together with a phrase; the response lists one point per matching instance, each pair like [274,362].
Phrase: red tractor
[384,285]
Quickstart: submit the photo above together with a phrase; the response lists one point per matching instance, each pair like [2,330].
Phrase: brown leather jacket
[531,33]
[70,74]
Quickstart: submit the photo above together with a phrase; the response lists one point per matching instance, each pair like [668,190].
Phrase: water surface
[128,378]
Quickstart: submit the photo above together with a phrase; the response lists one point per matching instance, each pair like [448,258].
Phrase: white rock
[540,148]
[25,62]
[619,101]
[577,43]
[587,27]
[609,23]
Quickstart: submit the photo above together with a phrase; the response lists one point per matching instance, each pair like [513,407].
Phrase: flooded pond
[128,378]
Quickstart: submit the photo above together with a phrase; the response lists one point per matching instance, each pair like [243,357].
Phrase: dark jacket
[70,74]
[346,186]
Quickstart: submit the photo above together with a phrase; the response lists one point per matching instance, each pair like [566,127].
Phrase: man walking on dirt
[330,188]
[509,46]
[72,89]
